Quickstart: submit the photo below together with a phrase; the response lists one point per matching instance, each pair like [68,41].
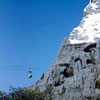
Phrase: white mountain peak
[89,28]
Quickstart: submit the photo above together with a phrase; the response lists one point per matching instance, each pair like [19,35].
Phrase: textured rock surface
[75,74]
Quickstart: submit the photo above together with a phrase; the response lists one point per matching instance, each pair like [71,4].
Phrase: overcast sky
[31,32]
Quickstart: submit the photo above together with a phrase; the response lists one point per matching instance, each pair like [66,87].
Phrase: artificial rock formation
[75,74]
[89,28]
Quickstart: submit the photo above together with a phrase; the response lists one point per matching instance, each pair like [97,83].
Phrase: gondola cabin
[29,74]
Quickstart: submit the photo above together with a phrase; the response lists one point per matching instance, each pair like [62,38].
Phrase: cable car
[29,73]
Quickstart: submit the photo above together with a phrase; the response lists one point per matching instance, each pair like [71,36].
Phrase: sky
[31,32]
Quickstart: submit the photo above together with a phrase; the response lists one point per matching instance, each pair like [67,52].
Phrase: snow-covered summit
[89,28]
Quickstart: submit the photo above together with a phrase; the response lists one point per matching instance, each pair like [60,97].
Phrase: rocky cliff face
[75,74]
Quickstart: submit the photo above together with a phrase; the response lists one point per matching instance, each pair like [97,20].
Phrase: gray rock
[72,72]
[75,74]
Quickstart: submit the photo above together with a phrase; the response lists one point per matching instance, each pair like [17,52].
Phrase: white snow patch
[90,28]
[94,6]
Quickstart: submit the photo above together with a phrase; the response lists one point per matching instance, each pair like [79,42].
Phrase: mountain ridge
[75,74]
[88,30]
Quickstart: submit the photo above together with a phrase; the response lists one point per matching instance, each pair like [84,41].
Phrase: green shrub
[42,76]
[63,91]
[97,85]
[71,72]
[26,94]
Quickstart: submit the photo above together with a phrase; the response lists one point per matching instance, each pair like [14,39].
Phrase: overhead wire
[26,67]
